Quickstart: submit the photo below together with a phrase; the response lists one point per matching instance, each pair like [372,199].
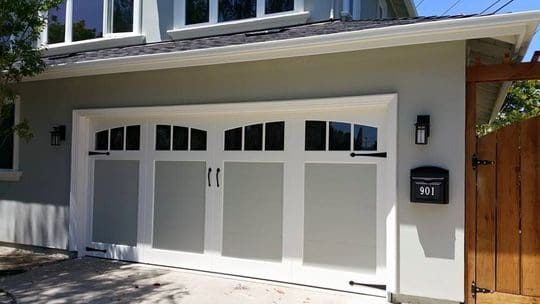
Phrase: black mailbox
[429,185]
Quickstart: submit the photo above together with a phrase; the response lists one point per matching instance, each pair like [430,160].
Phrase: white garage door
[293,196]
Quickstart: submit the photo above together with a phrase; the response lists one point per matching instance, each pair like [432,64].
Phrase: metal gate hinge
[480,162]
[476,290]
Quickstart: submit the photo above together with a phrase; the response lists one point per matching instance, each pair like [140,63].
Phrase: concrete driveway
[90,280]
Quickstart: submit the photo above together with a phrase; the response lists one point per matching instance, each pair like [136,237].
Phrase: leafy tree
[522,102]
[20,26]
[81,32]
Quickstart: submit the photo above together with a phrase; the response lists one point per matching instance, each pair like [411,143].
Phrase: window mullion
[107,20]
[298,5]
[69,21]
[260,8]
[137,16]
[179,13]
[213,14]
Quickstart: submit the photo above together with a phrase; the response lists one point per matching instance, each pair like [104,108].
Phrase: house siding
[429,79]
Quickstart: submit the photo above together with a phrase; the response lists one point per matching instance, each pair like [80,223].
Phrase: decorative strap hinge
[476,290]
[480,162]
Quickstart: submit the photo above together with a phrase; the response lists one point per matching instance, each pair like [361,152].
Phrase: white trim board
[520,25]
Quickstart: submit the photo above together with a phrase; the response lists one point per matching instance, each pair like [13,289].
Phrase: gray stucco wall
[430,79]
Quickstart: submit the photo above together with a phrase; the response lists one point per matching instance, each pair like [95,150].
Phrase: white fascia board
[517,24]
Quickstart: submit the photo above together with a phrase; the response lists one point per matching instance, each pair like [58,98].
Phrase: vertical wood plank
[508,239]
[530,207]
[470,191]
[486,213]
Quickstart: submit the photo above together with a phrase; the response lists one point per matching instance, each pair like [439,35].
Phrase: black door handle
[98,153]
[381,154]
[217,176]
[209,182]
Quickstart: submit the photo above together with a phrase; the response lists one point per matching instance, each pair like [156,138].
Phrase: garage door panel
[340,216]
[179,205]
[116,198]
[252,210]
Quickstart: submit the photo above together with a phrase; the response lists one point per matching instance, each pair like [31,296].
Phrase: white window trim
[14,174]
[382,7]
[213,27]
[109,39]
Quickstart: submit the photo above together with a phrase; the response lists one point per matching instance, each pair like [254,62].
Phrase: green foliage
[522,102]
[81,32]
[20,26]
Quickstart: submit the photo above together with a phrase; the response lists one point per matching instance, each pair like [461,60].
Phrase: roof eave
[522,45]
[517,24]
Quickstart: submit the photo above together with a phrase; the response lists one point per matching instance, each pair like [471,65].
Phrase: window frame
[14,174]
[213,13]
[382,10]
[107,25]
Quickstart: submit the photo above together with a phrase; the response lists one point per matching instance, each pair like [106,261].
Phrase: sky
[438,7]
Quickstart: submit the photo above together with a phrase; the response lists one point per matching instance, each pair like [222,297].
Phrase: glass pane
[277,6]
[57,24]
[198,140]
[133,137]
[365,138]
[117,139]
[116,201]
[253,139]
[102,140]
[253,210]
[340,217]
[7,119]
[163,137]
[179,206]
[180,138]
[236,9]
[196,11]
[122,20]
[315,135]
[233,139]
[340,136]
[87,19]
[275,136]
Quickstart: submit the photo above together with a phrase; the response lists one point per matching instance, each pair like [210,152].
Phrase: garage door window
[119,139]
[339,136]
[269,136]
[176,138]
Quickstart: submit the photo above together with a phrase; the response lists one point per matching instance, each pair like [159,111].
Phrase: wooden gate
[508,215]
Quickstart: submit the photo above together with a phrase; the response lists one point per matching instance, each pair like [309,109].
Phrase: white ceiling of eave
[488,51]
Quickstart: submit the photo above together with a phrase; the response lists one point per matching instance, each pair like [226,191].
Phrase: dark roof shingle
[299,31]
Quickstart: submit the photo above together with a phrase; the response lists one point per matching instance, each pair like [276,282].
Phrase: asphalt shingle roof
[305,30]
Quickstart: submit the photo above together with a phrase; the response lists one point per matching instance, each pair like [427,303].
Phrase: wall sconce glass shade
[422,129]
[58,134]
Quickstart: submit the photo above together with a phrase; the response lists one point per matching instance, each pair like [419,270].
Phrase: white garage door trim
[80,205]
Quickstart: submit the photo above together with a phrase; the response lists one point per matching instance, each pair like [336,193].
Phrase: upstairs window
[199,12]
[7,139]
[79,20]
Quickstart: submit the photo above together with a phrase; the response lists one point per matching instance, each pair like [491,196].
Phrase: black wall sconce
[422,129]
[58,134]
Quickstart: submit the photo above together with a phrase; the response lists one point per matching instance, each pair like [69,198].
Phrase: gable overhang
[516,28]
